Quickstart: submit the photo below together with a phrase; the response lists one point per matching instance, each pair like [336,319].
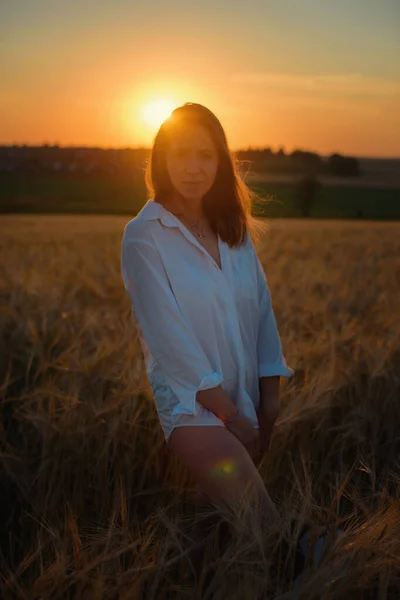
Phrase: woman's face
[192,162]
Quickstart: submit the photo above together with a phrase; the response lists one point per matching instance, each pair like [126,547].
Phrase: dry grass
[91,500]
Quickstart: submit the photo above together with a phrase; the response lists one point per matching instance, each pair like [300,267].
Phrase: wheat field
[93,506]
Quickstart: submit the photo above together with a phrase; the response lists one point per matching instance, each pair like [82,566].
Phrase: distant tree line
[299,162]
[64,160]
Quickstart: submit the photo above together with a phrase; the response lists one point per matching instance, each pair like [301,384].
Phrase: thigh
[219,464]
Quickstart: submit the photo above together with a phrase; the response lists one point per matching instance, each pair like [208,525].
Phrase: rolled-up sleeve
[164,328]
[269,349]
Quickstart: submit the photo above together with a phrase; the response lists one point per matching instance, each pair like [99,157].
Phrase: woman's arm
[165,329]
[271,361]
[217,401]
[269,408]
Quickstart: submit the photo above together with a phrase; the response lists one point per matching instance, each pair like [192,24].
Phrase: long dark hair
[228,204]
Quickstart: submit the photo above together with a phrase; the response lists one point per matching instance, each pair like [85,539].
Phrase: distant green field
[56,193]
[102,194]
[333,201]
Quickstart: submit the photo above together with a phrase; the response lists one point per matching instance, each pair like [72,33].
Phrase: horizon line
[246,148]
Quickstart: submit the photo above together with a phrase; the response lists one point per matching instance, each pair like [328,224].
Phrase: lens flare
[225,466]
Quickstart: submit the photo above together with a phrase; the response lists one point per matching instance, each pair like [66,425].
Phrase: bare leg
[223,470]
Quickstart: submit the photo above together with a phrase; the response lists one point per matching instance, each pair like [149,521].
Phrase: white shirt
[199,326]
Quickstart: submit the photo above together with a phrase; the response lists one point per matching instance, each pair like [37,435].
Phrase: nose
[192,165]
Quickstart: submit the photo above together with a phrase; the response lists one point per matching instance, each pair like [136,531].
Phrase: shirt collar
[154,210]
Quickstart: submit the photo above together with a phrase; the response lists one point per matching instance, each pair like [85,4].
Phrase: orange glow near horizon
[320,115]
[129,67]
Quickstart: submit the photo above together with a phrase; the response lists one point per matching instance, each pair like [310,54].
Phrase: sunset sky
[321,75]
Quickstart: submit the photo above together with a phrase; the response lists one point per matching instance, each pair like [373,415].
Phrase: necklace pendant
[201,235]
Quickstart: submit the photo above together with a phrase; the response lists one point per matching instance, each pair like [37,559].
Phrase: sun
[156,111]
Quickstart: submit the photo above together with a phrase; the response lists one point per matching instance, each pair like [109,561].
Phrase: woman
[202,307]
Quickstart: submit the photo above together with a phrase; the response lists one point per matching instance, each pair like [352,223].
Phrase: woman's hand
[267,414]
[243,429]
